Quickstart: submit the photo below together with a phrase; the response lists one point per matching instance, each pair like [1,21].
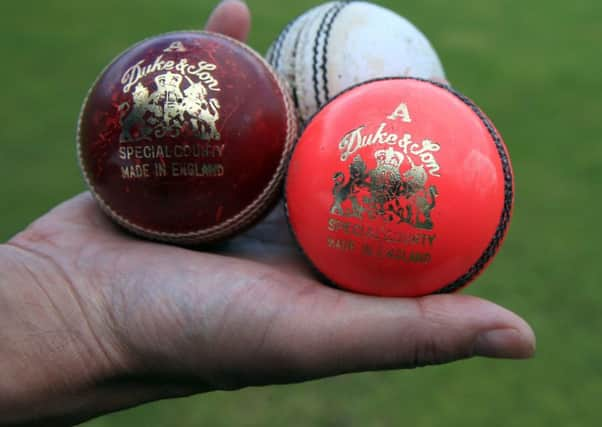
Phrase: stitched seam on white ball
[324,67]
[306,44]
[315,51]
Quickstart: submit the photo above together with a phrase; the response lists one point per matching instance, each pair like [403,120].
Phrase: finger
[232,18]
[347,333]
[80,213]
[81,209]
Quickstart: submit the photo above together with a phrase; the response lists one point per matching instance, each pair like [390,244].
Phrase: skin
[94,320]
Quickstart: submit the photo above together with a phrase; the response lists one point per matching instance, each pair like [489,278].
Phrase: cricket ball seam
[275,54]
[289,40]
[240,220]
[505,216]
[295,93]
[315,51]
[340,7]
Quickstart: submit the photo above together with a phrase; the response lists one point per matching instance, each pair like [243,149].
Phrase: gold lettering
[177,151]
[148,151]
[355,140]
[402,113]
[201,70]
[160,169]
[132,76]
[425,153]
[332,224]
[135,171]
[382,234]
[138,71]
[341,245]
[197,170]
[180,151]
[351,143]
[396,254]
[175,47]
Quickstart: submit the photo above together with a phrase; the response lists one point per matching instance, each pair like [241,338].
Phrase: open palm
[103,320]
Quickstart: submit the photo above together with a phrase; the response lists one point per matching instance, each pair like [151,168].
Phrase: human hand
[94,320]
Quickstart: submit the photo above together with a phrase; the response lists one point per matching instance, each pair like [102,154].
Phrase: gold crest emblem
[397,189]
[175,103]
[385,192]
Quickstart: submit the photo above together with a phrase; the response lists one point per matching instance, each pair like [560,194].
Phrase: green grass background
[535,67]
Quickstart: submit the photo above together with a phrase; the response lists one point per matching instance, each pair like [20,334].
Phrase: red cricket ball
[400,187]
[184,137]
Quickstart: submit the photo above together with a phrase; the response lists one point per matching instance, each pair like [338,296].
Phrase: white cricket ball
[340,44]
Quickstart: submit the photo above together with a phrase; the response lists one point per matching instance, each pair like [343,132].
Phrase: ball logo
[397,189]
[179,99]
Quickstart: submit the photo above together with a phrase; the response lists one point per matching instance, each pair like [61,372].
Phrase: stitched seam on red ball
[240,220]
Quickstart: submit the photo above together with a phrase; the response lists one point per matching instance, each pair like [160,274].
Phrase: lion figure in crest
[166,111]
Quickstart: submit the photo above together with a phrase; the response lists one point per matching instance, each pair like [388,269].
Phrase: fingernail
[504,344]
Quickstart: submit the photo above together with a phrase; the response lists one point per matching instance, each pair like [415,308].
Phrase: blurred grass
[532,66]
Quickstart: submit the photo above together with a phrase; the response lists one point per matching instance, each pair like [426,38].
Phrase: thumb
[232,18]
[353,333]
